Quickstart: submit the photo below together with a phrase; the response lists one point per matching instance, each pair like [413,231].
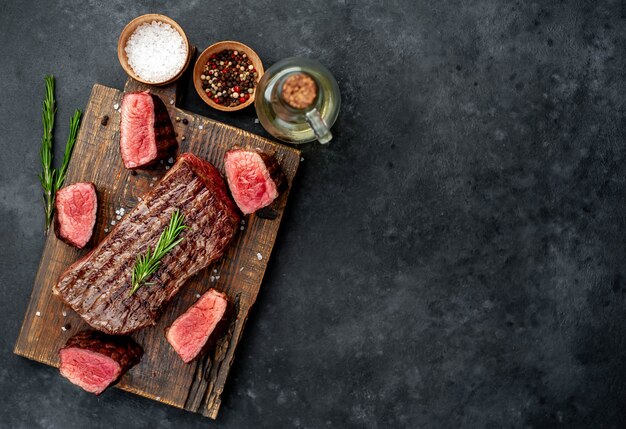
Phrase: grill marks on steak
[76,207]
[97,287]
[94,361]
[255,178]
[146,131]
[191,330]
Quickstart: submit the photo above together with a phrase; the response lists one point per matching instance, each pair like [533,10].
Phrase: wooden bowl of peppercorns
[226,74]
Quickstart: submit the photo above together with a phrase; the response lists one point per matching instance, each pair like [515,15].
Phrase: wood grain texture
[161,375]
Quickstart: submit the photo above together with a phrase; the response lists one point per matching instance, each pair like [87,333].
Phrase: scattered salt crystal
[212,278]
[242,227]
[154,179]
[138,198]
[215,270]
[256,120]
[156,52]
[116,106]
[170,160]
[38,313]
[63,328]
[64,313]
[171,101]
[200,127]
[301,159]
[167,167]
[241,269]
[151,185]
[106,229]
[112,222]
[122,211]
[259,256]
[161,161]
[197,295]
[243,221]
[158,398]
[118,217]
[217,277]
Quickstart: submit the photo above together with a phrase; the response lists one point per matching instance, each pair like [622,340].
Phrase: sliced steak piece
[94,361]
[255,178]
[76,207]
[98,286]
[192,329]
[146,131]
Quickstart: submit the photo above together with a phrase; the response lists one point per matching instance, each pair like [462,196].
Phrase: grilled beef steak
[94,361]
[76,207]
[255,178]
[98,286]
[192,329]
[146,131]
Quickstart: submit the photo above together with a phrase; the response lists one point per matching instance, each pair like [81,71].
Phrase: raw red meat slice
[146,131]
[94,361]
[76,207]
[192,329]
[255,178]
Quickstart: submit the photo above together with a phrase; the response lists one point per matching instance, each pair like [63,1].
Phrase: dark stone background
[455,258]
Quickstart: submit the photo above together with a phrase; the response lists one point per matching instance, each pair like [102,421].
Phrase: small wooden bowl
[214,49]
[130,29]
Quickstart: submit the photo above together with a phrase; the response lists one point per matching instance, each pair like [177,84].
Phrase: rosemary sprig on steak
[51,179]
[149,262]
[48,172]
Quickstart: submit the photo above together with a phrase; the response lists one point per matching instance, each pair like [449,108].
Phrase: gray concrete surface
[455,258]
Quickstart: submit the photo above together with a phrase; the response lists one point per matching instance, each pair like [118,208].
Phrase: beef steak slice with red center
[76,207]
[94,361]
[192,329]
[146,131]
[255,178]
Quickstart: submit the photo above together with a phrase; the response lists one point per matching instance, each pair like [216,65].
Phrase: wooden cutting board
[161,375]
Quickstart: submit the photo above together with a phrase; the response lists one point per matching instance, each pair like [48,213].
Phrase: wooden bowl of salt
[153,49]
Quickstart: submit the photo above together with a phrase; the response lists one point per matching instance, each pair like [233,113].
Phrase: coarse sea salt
[156,51]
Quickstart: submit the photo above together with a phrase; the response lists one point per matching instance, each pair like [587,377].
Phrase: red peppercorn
[236,89]
[247,96]
[213,66]
[242,99]
[217,100]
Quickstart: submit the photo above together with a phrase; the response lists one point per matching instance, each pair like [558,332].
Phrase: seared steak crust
[126,352]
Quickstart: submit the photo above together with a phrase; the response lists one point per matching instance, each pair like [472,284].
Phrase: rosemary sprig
[69,147]
[51,179]
[48,172]
[149,262]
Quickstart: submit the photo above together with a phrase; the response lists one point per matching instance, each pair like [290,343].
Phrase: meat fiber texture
[98,286]
[255,178]
[94,361]
[146,131]
[76,207]
[191,330]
